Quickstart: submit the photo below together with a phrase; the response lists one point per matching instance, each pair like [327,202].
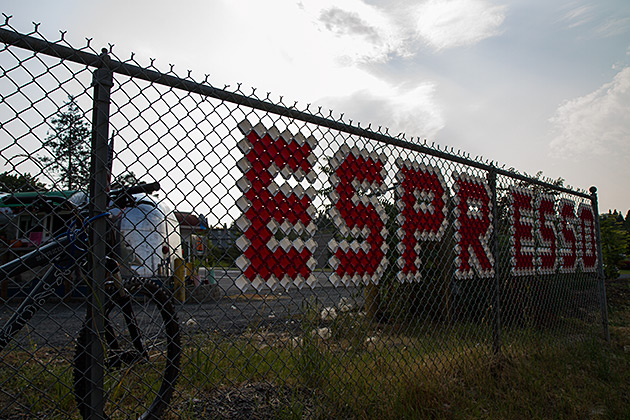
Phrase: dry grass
[361,371]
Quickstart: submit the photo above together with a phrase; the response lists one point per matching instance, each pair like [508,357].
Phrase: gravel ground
[253,401]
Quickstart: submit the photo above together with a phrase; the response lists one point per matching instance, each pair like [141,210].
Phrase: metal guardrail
[306,253]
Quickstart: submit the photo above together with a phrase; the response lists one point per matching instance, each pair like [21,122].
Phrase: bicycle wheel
[142,354]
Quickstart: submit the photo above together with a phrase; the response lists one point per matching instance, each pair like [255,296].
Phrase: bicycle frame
[122,337]
[61,254]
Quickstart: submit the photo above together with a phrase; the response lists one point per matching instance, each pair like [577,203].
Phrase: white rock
[323,333]
[345,305]
[328,314]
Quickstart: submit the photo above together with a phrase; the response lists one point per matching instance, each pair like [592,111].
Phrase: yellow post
[179,285]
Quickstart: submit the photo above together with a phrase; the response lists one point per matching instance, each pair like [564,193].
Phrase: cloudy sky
[535,84]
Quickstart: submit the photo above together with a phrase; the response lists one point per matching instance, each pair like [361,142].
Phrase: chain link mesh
[313,263]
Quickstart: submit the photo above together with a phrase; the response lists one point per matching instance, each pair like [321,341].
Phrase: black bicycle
[141,337]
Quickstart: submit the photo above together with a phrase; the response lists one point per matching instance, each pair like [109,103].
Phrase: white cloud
[417,112]
[356,32]
[351,33]
[578,16]
[596,20]
[596,123]
[453,23]
[613,26]
[319,53]
[364,33]
[398,108]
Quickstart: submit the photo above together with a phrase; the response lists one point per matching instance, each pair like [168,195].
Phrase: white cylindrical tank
[150,229]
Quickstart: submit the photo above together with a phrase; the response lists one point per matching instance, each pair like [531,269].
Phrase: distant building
[223,238]
[197,237]
[28,220]
[34,217]
[191,230]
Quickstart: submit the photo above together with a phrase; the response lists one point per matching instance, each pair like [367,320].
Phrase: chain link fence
[291,262]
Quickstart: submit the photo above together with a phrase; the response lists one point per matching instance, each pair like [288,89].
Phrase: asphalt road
[57,323]
[227,279]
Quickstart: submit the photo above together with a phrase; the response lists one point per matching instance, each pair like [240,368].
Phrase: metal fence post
[600,265]
[99,174]
[496,298]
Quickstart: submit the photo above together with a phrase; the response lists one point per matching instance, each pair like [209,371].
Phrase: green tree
[626,227]
[68,146]
[626,222]
[127,179]
[13,183]
[614,244]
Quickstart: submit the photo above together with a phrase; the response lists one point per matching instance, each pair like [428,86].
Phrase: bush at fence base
[544,302]
[624,264]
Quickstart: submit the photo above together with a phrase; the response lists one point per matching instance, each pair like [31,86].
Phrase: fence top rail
[54,49]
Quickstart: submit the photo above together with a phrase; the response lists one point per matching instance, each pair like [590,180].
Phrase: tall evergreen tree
[68,147]
[126,179]
[626,222]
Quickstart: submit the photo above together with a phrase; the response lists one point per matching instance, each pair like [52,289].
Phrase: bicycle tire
[128,393]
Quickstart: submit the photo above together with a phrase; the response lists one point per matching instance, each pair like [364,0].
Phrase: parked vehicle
[33,218]
[149,239]
[28,220]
